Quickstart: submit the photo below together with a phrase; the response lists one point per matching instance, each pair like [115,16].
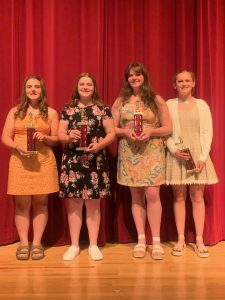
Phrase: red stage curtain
[58,39]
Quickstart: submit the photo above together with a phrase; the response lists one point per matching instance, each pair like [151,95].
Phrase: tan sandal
[178,249]
[37,252]
[157,250]
[23,253]
[200,248]
[140,249]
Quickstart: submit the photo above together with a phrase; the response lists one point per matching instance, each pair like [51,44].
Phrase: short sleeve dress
[85,175]
[38,173]
[140,164]
[176,172]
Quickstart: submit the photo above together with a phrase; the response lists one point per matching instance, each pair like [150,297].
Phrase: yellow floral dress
[38,173]
[142,164]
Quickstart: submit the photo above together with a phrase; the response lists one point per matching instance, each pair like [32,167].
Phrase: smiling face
[135,79]
[33,89]
[85,87]
[184,83]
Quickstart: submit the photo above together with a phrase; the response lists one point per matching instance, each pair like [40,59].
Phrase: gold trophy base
[81,148]
[32,152]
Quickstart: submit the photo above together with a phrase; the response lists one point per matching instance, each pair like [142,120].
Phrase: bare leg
[22,220]
[138,208]
[75,207]
[198,205]
[40,216]
[22,217]
[154,210]
[93,217]
[179,194]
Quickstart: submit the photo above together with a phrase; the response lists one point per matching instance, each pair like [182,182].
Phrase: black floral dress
[85,175]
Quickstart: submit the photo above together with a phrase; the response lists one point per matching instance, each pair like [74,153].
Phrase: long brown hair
[147,93]
[75,95]
[24,100]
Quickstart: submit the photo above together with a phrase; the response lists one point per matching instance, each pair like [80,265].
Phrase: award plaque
[83,127]
[189,163]
[138,120]
[31,148]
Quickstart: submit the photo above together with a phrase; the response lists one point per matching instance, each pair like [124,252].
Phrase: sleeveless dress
[142,164]
[175,171]
[37,174]
[85,175]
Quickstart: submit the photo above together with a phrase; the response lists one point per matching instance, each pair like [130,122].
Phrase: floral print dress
[85,175]
[140,164]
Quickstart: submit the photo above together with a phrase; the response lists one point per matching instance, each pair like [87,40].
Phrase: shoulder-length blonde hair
[24,100]
[75,94]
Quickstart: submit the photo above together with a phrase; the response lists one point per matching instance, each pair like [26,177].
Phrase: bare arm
[8,130]
[165,121]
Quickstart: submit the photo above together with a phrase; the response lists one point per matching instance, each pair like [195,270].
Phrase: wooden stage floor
[117,276]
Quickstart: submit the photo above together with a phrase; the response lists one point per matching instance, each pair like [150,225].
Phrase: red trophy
[189,164]
[30,140]
[83,127]
[31,147]
[138,120]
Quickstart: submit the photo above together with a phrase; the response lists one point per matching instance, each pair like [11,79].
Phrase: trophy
[138,120]
[83,126]
[31,147]
[189,164]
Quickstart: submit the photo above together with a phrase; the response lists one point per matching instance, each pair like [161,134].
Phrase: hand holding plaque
[83,127]
[138,120]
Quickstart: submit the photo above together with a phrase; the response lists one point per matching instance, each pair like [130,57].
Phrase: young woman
[32,176]
[192,128]
[141,158]
[84,175]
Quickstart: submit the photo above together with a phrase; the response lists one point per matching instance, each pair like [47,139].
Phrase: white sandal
[140,249]
[157,250]
[200,248]
[178,249]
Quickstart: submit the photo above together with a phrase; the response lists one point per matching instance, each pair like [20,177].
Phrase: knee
[41,206]
[179,199]
[196,199]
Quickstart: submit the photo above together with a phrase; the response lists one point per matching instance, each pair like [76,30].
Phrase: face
[135,79]
[184,83]
[33,89]
[85,87]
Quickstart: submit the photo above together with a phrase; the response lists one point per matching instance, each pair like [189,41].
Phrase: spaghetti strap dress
[37,174]
[140,164]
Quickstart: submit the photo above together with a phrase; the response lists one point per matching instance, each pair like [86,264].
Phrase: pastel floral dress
[140,164]
[85,175]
